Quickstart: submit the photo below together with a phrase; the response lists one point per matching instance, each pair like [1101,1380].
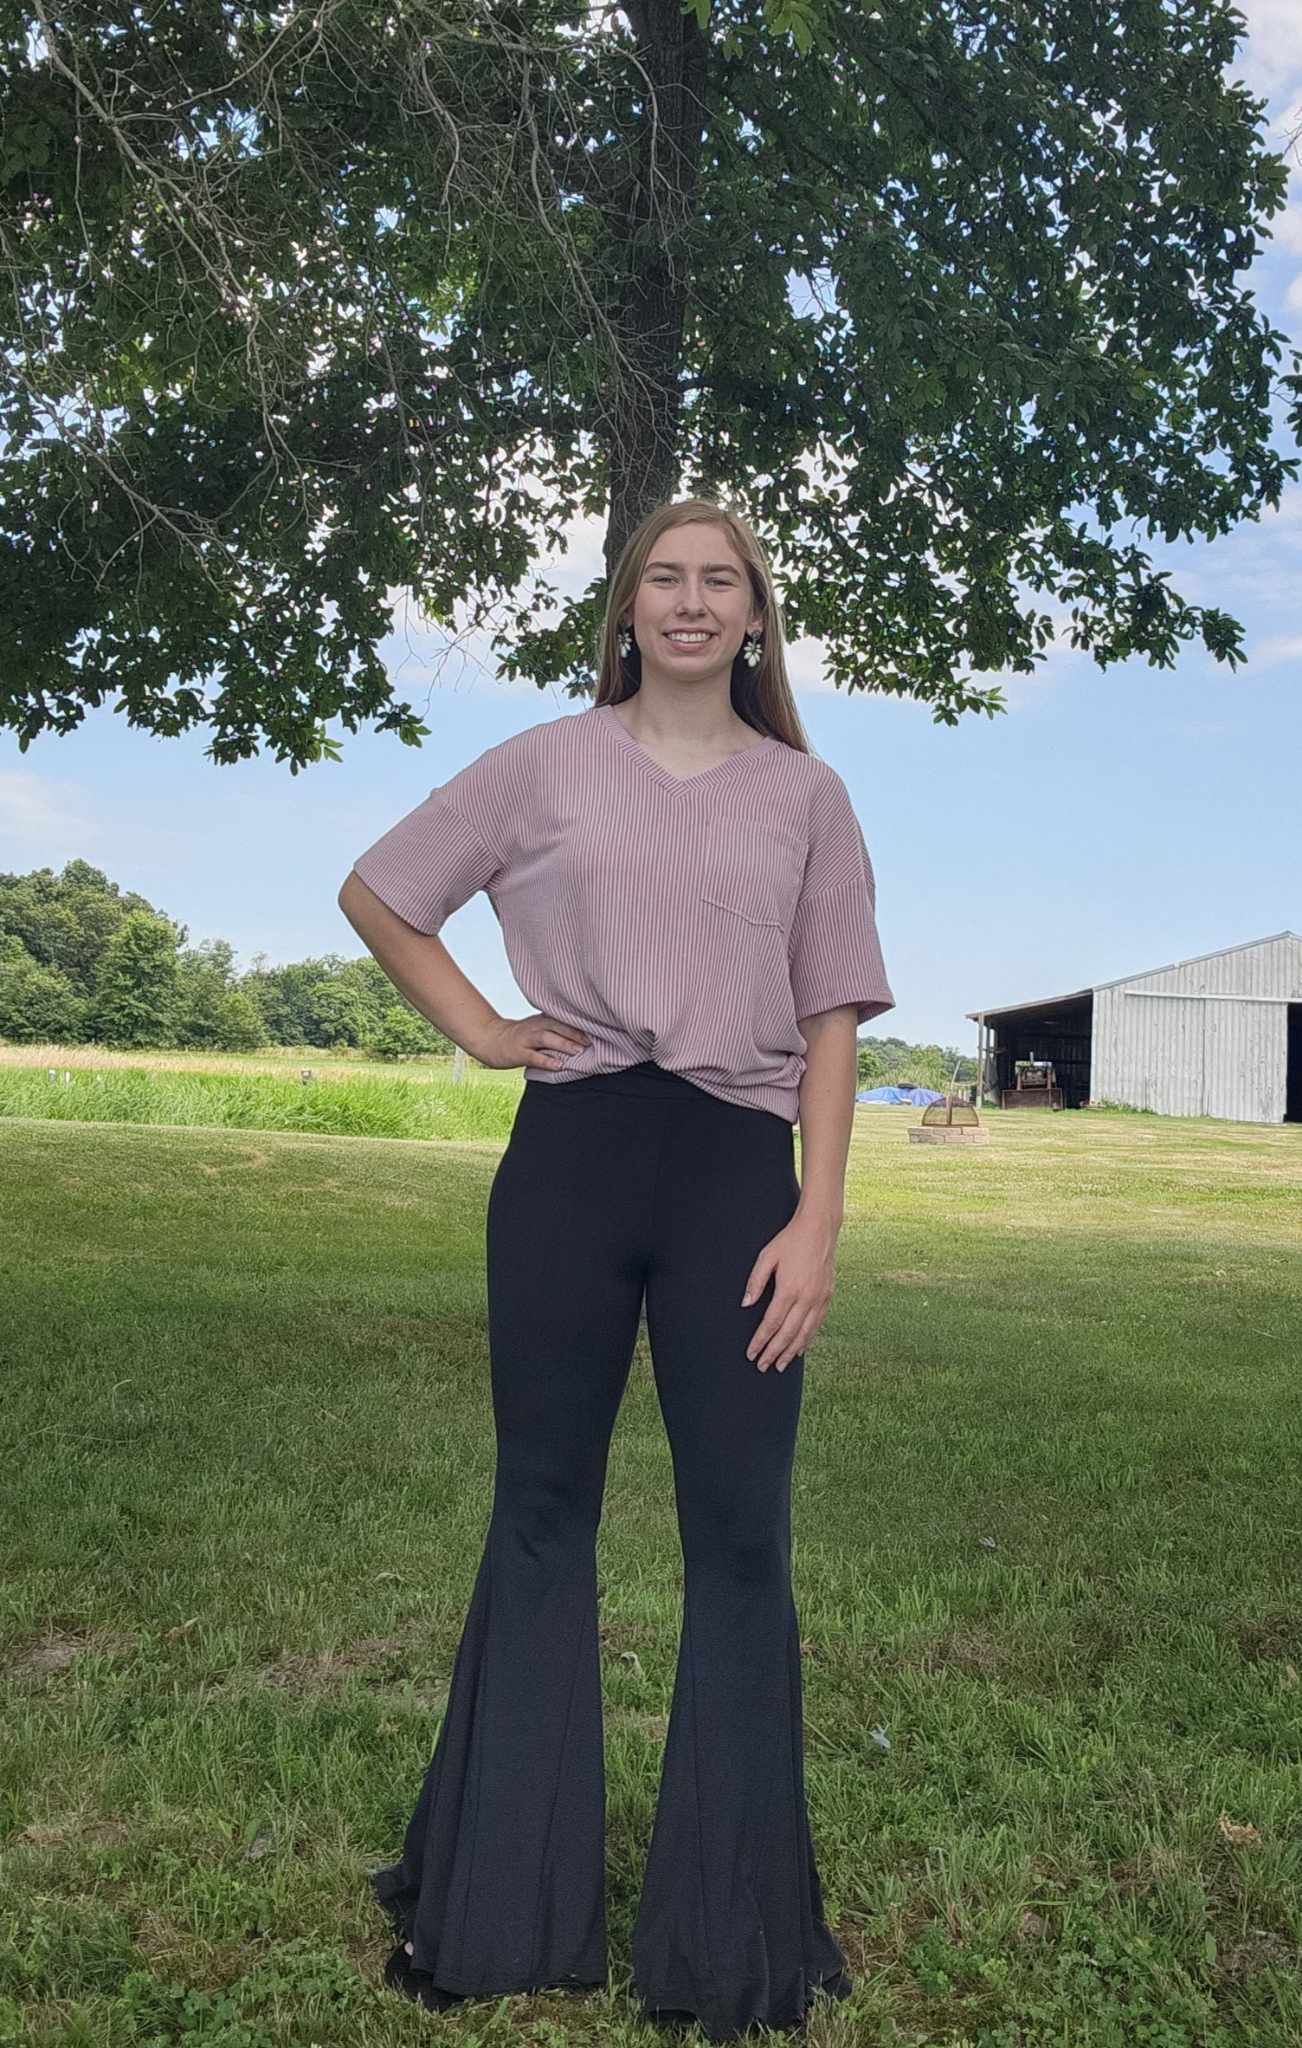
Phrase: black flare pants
[612,1188]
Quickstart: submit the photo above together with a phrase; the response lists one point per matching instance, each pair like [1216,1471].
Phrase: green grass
[346,1097]
[1046,1562]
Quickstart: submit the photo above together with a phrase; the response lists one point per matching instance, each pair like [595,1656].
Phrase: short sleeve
[834,952]
[455,842]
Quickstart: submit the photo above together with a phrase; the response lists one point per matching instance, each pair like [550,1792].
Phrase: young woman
[685,894]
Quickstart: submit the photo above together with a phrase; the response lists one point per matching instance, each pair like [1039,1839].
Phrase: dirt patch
[1261,1949]
[962,1649]
[155,1936]
[1269,1637]
[57,1830]
[1136,1876]
[383,1662]
[253,1156]
[60,1649]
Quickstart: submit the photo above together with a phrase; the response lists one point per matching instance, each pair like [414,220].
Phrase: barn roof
[1079,994]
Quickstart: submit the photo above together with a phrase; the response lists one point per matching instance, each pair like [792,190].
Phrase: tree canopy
[84,962]
[306,307]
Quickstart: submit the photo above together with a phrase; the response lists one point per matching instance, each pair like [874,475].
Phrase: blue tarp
[918,1098]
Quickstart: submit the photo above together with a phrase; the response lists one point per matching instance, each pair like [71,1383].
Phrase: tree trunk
[641,433]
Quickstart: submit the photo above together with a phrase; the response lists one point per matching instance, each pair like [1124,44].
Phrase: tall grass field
[1047,1524]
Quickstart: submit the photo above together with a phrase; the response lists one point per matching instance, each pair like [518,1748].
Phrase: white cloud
[1287,514]
[1277,647]
[1269,58]
[36,812]
[805,665]
[1285,229]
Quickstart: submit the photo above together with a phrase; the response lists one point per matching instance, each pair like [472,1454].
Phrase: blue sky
[1110,821]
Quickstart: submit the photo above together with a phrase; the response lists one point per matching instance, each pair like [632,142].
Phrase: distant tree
[66,920]
[210,1008]
[326,1000]
[340,1014]
[893,1059]
[400,1033]
[963,1061]
[136,987]
[37,1004]
[70,969]
[239,1025]
[285,997]
[364,988]
[307,305]
[872,1062]
[379,991]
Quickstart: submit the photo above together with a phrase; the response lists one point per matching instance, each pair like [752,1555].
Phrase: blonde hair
[760,695]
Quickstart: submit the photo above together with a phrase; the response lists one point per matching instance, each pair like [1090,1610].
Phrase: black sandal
[401,1974]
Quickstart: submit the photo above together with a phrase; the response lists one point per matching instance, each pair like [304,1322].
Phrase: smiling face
[694,604]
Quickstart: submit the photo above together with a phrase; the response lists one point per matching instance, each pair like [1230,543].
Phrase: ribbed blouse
[691,920]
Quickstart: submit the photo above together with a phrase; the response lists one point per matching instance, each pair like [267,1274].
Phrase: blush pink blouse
[690,920]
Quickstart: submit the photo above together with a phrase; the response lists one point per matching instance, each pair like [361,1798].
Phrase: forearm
[827,1089]
[420,965]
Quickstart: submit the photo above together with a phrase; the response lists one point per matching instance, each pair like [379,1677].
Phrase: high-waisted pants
[614,1187]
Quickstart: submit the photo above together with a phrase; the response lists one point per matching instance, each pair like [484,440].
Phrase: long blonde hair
[761,695]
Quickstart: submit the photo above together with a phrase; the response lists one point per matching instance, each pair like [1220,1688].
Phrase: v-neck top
[622,732]
[691,920]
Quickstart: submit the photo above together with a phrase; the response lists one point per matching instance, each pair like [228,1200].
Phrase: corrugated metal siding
[1182,1057]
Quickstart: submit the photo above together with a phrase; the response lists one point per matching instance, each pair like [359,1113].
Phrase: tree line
[83,962]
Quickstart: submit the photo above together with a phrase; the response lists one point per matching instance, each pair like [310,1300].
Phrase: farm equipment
[1035,1087]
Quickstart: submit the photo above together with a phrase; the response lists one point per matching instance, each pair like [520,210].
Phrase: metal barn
[1218,1035]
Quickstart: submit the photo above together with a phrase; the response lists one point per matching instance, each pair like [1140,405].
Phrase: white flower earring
[752,650]
[624,642]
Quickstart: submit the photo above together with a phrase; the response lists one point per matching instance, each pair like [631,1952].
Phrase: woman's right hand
[537,1041]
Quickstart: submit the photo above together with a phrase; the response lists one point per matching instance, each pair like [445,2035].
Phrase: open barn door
[1293,1080]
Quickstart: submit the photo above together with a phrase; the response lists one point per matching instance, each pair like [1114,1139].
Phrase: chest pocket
[753,869]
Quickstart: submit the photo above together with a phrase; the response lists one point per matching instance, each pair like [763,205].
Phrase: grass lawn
[1048,1563]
